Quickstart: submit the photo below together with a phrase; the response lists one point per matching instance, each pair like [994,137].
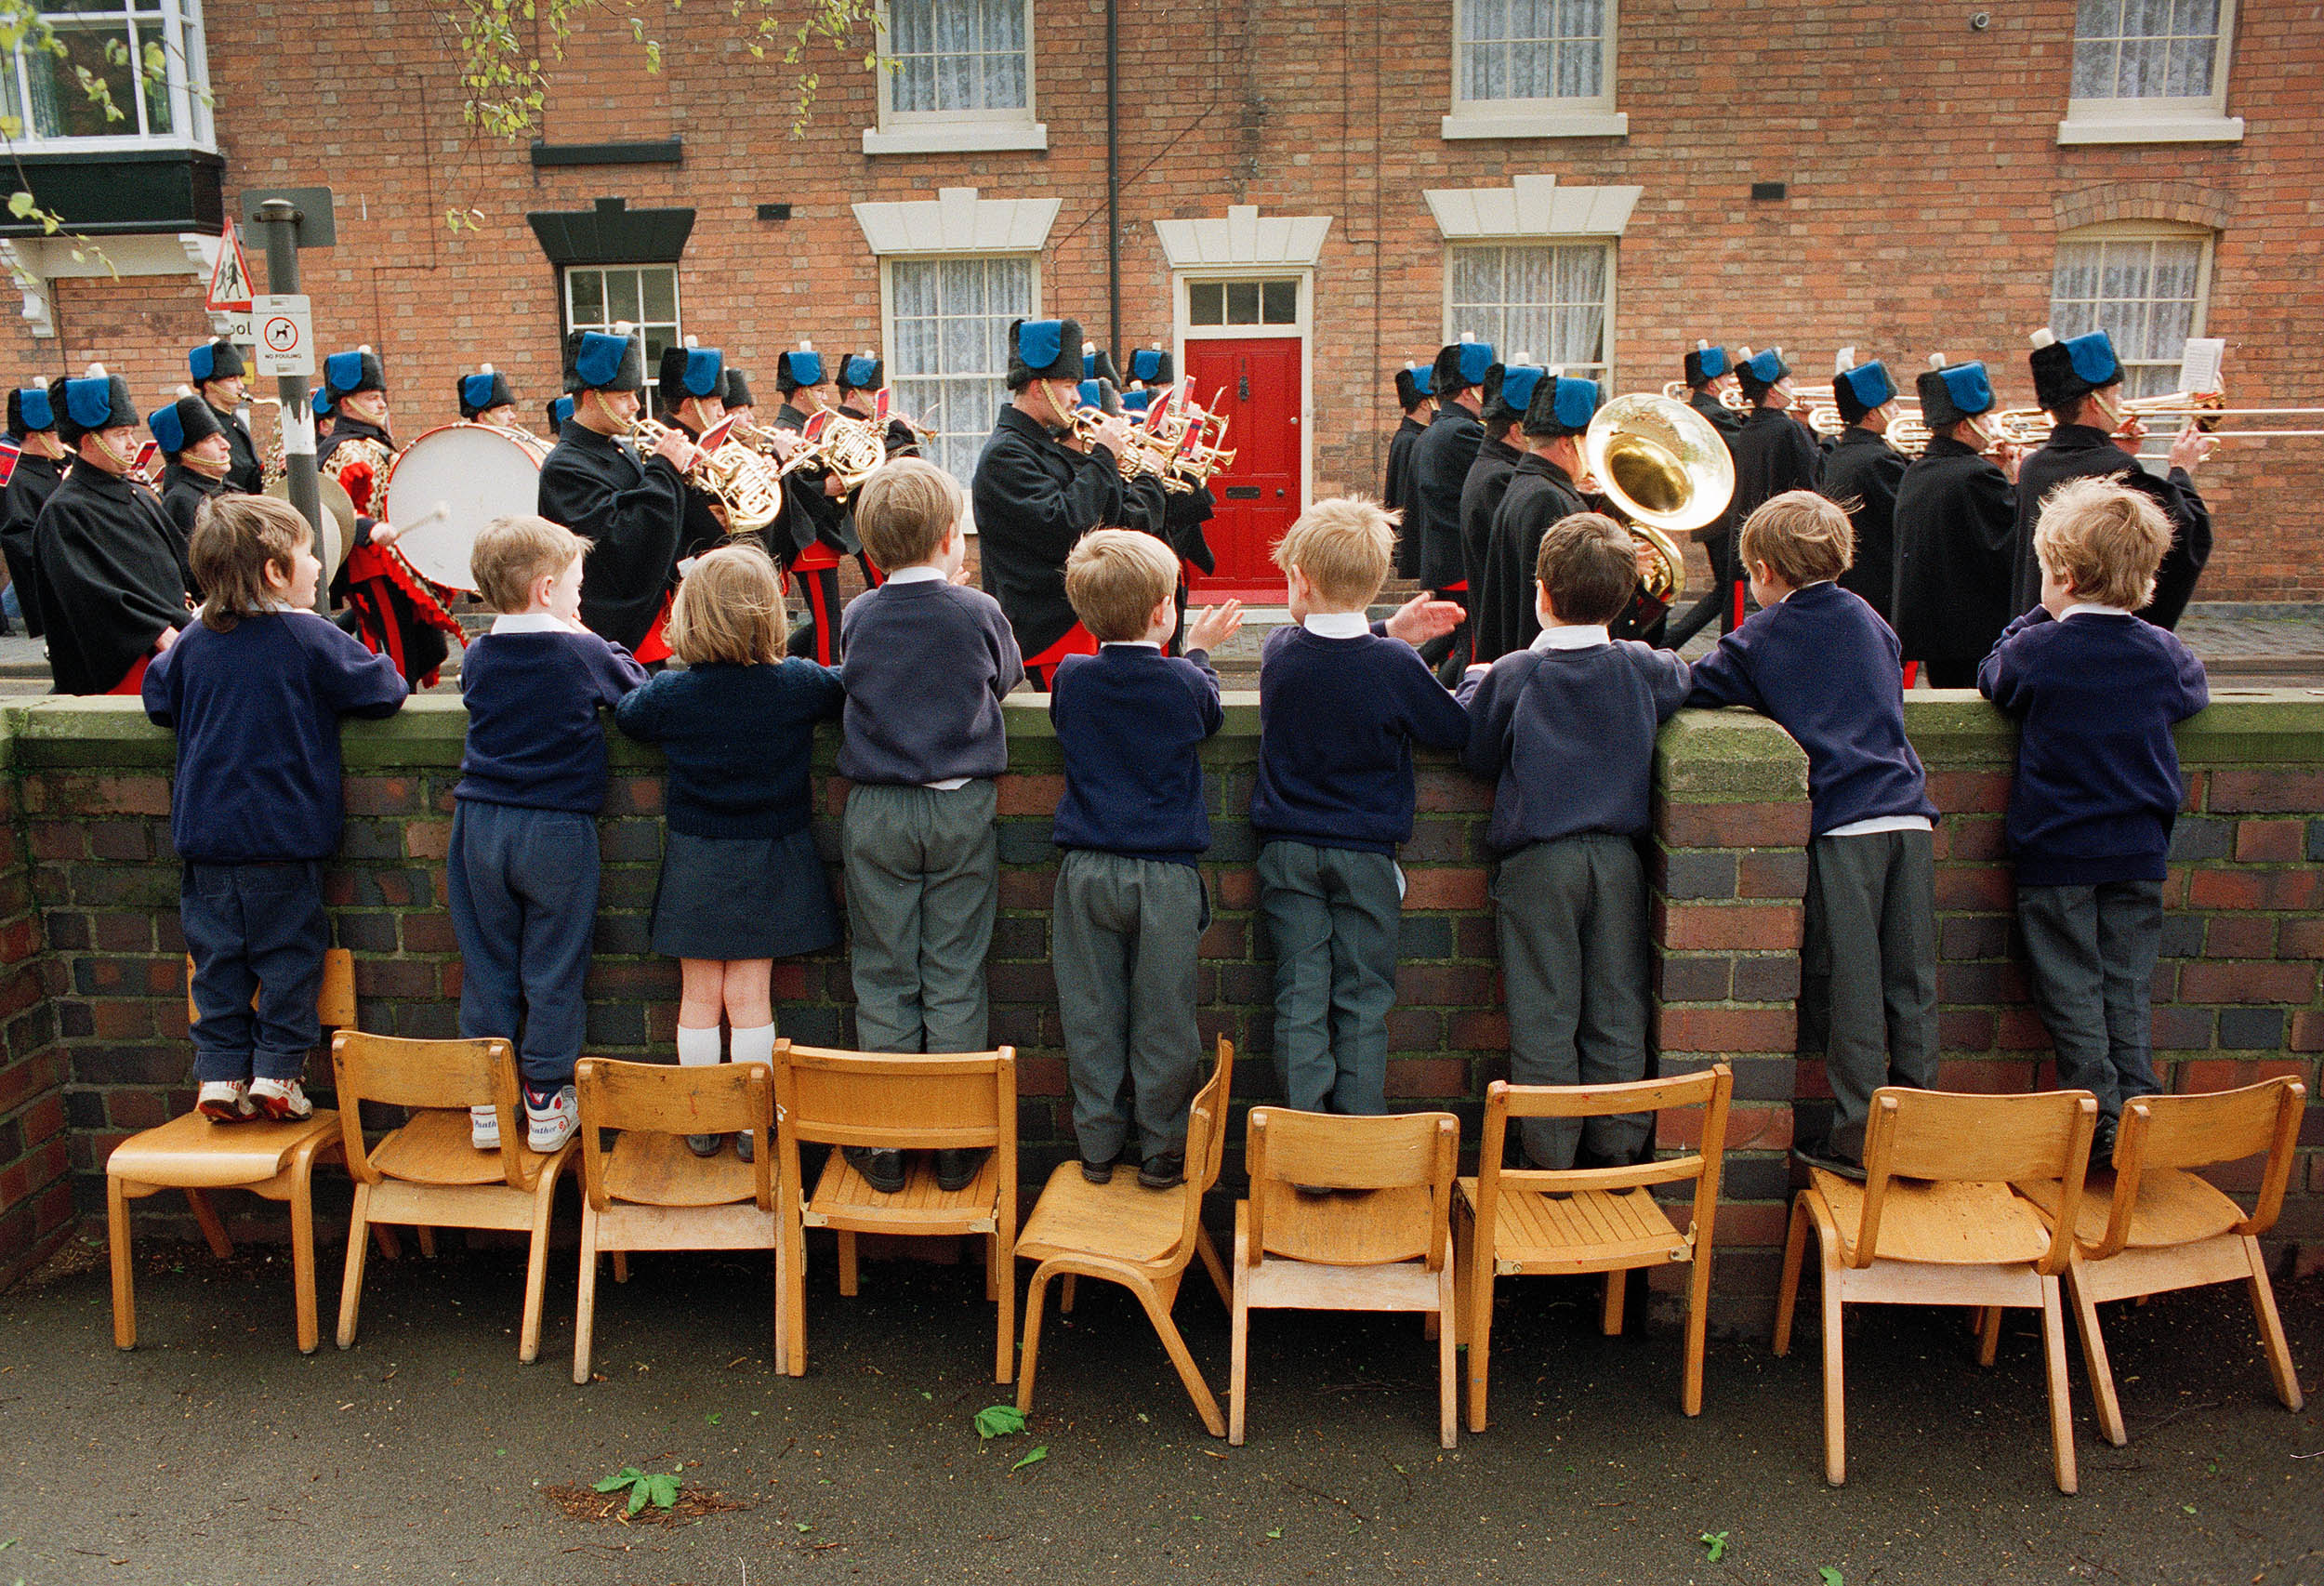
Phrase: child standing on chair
[741,884]
[1827,669]
[522,868]
[928,663]
[254,691]
[1129,908]
[2096,690]
[1565,728]
[1341,706]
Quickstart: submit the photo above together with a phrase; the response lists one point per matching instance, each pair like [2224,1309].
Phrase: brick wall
[2236,995]
[1925,192]
[36,1196]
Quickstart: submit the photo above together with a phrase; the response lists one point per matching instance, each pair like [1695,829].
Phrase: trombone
[2204,409]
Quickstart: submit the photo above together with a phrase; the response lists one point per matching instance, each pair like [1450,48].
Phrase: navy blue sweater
[1131,721]
[1827,669]
[2097,783]
[926,666]
[1337,722]
[739,741]
[534,739]
[1568,737]
[257,712]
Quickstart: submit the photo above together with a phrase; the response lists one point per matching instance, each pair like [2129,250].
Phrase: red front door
[1256,384]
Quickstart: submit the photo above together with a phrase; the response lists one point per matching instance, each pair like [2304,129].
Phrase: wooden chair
[908,1103]
[1382,1244]
[649,1192]
[426,1174]
[1140,1238]
[1508,1222]
[1935,1223]
[275,1161]
[2151,1225]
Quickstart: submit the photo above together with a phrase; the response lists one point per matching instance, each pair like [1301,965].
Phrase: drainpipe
[1114,176]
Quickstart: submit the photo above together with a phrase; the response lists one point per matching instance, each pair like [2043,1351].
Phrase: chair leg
[1065,1294]
[1480,1329]
[1989,1335]
[351,1278]
[1788,1286]
[794,1275]
[1158,1313]
[302,1210]
[1238,1352]
[537,1271]
[584,1306]
[1212,1265]
[621,1266]
[847,1264]
[2272,1329]
[213,1228]
[1447,1363]
[1697,1325]
[1005,1352]
[384,1236]
[427,1237]
[1032,1296]
[124,1268]
[1616,1290]
[2095,1362]
[2061,1402]
[1835,1395]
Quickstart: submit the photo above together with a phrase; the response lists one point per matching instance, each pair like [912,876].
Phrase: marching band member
[1773,452]
[486,398]
[389,607]
[1035,496]
[558,410]
[1710,374]
[1396,492]
[736,395]
[1440,467]
[816,529]
[1507,390]
[1860,473]
[592,482]
[106,561]
[40,465]
[1545,487]
[689,393]
[220,377]
[197,455]
[1709,378]
[860,378]
[2079,382]
[1956,528]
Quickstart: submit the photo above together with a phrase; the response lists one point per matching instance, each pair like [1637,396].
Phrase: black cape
[1396,494]
[1723,418]
[1956,528]
[111,575]
[632,510]
[1032,498]
[183,490]
[1480,498]
[2078,450]
[244,474]
[1861,473]
[808,514]
[1502,611]
[1189,510]
[1441,458]
[1773,452]
[34,481]
[703,531]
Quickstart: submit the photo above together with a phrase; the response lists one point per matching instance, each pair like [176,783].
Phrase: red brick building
[1304,196]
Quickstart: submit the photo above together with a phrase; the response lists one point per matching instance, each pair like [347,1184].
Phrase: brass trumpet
[744,485]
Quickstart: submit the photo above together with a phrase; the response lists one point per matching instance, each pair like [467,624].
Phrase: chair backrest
[2200,1131]
[1955,1138]
[334,1000]
[900,1100]
[1206,1143]
[420,1075]
[661,1098]
[1710,1088]
[1405,1160]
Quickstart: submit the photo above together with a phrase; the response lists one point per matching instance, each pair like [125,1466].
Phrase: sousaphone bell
[1664,472]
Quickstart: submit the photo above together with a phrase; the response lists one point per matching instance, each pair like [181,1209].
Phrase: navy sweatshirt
[739,741]
[1568,737]
[1131,721]
[1826,667]
[257,712]
[926,666]
[534,739]
[2098,784]
[1337,722]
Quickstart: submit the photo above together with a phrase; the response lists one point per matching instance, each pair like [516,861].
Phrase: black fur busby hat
[2065,372]
[344,374]
[596,361]
[690,371]
[1151,366]
[559,409]
[1758,372]
[1950,393]
[1705,364]
[800,367]
[1461,365]
[1097,363]
[483,391]
[219,360]
[183,423]
[1858,388]
[30,411]
[1560,406]
[862,372]
[1410,392]
[97,400]
[1508,392]
[1043,350]
[737,392]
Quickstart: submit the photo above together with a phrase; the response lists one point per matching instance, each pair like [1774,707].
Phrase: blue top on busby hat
[737,389]
[690,371]
[559,411]
[219,360]
[861,372]
[1137,402]
[99,400]
[1461,365]
[1150,366]
[29,411]
[181,424]
[2065,372]
[598,362]
[1509,391]
[1706,363]
[483,390]
[1952,393]
[1097,363]
[800,367]
[1858,391]
[344,374]
[1758,373]
[1101,395]
[1410,390]
[1560,406]
[1043,350]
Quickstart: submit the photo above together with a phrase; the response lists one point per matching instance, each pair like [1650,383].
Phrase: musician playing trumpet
[386,604]
[219,376]
[1956,527]
[690,393]
[1860,473]
[814,531]
[1545,486]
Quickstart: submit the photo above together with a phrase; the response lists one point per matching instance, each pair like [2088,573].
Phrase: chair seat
[648,1168]
[192,1152]
[2174,1208]
[434,1148]
[844,1198]
[1585,1231]
[1117,1221]
[1941,1223]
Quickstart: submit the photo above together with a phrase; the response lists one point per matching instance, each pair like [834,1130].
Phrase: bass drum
[338,521]
[446,485]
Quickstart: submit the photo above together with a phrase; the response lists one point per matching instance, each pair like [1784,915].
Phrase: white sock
[697,1048]
[755,1045]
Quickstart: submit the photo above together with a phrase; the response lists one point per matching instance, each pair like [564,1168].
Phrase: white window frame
[1559,117]
[957,132]
[186,62]
[1603,369]
[2149,232]
[888,315]
[677,322]
[1183,330]
[2160,119]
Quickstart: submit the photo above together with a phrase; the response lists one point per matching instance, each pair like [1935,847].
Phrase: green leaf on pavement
[999,1421]
[1040,1453]
[1715,1543]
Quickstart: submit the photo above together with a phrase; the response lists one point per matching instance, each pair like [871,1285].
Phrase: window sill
[2115,126]
[1536,123]
[960,137]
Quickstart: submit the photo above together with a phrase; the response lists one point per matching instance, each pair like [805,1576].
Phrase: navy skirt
[743,897]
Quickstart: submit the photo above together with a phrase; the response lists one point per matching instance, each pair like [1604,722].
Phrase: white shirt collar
[529,621]
[2092,608]
[1337,624]
[1154,644]
[919,572]
[1579,636]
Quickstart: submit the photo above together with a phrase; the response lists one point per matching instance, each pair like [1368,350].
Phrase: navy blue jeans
[254,928]
[523,894]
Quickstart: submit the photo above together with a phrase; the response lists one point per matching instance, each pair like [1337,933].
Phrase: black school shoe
[2101,1144]
[882,1168]
[706,1145]
[1097,1173]
[1163,1172]
[956,1168]
[1819,1154]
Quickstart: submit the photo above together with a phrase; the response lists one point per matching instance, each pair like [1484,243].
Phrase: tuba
[744,483]
[1665,473]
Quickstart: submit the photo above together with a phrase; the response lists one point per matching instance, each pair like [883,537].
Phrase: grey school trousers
[1574,963]
[923,881]
[2091,952]
[1868,970]
[1333,914]
[1126,933]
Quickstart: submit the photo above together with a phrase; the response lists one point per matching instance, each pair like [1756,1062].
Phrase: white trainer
[484,1128]
[225,1100]
[549,1124]
[281,1099]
